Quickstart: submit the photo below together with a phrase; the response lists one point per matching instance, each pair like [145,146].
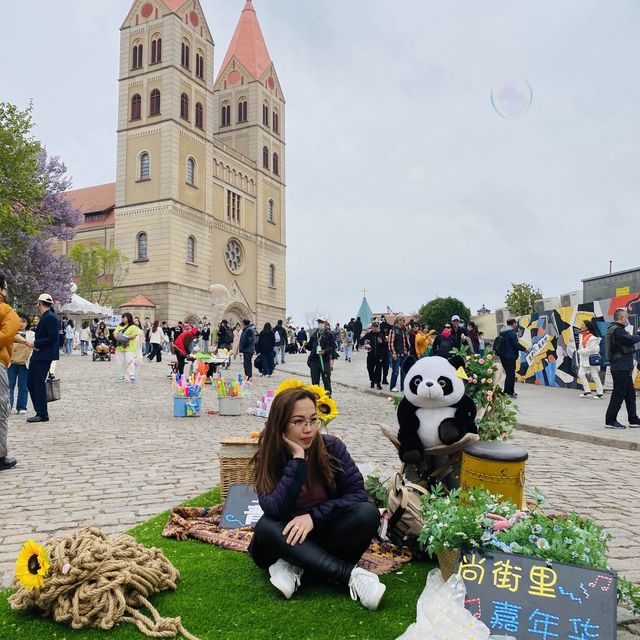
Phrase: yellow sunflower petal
[327,408]
[317,389]
[291,383]
[32,565]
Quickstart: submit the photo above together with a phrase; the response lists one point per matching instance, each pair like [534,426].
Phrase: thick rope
[106,581]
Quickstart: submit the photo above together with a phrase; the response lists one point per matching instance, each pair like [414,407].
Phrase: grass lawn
[222,595]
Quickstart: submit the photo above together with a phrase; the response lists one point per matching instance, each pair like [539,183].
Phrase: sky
[402,177]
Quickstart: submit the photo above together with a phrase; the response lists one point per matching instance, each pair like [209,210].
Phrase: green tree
[22,184]
[99,272]
[520,298]
[437,312]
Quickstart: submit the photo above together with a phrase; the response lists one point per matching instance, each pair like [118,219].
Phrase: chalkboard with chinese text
[524,597]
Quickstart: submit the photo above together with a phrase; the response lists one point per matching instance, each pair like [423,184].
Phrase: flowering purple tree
[35,268]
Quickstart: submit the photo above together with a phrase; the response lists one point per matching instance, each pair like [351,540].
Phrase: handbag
[595,360]
[52,385]
[402,521]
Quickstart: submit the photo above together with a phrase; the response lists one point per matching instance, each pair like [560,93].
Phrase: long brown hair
[273,453]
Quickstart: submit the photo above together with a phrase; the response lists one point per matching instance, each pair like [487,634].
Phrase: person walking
[459,335]
[18,369]
[225,339]
[588,349]
[348,344]
[266,347]
[411,336]
[385,329]
[316,516]
[280,337]
[321,347]
[9,327]
[619,350]
[69,337]
[235,347]
[508,349]
[247,347]
[126,335]
[376,347]
[482,344]
[206,337]
[85,338]
[474,337]
[337,334]
[302,340]
[156,336]
[357,333]
[424,340]
[399,349]
[441,344]
[147,337]
[45,351]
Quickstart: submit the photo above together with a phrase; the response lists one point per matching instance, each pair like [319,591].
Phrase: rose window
[233,256]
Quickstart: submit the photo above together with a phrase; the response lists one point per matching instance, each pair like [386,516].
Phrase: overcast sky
[402,177]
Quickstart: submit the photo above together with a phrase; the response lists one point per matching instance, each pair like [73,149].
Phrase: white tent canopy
[79,305]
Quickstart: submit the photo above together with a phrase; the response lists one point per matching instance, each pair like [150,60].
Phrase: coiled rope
[98,581]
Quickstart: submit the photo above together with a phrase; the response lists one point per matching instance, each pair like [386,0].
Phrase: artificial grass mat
[222,595]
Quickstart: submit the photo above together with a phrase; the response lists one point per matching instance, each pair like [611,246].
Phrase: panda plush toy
[435,409]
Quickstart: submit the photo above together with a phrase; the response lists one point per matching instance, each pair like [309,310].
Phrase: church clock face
[233,256]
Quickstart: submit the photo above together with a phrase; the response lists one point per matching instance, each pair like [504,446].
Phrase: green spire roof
[364,313]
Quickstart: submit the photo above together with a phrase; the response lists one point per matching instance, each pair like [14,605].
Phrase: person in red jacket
[182,345]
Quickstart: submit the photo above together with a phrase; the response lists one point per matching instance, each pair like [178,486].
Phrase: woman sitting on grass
[316,515]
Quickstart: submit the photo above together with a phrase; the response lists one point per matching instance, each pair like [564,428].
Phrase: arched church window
[200,64]
[145,166]
[184,58]
[184,106]
[191,172]
[156,49]
[141,246]
[225,115]
[276,164]
[265,114]
[270,214]
[136,57]
[272,276]
[136,106]
[191,249]
[265,157]
[242,110]
[154,103]
[199,115]
[275,122]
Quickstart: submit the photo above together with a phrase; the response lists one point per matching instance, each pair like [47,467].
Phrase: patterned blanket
[203,523]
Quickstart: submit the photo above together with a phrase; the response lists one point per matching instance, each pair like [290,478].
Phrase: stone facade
[198,200]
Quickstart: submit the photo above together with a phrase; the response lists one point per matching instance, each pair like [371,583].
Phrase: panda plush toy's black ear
[456,362]
[409,361]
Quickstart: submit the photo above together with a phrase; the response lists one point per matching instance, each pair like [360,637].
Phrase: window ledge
[272,287]
[271,222]
[135,119]
[193,186]
[141,260]
[144,180]
[154,115]
[191,264]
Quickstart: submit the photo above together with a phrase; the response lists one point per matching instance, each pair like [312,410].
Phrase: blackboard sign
[525,598]
[241,508]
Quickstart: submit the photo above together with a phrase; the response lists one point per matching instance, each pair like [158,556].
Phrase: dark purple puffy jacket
[280,503]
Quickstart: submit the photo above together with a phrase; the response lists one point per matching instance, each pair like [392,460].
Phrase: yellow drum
[497,466]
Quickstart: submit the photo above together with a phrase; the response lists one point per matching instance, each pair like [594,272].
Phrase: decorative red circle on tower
[193,16]
[271,83]
[147,10]
[234,78]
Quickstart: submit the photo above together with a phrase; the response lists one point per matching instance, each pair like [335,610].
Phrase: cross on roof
[364,293]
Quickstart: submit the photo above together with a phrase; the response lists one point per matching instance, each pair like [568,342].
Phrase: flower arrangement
[478,518]
[32,565]
[499,415]
[326,406]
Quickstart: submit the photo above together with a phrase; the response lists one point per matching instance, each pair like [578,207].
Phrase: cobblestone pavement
[113,455]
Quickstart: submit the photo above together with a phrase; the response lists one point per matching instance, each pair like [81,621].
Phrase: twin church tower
[200,184]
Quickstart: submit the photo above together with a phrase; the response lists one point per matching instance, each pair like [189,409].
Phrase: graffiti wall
[551,338]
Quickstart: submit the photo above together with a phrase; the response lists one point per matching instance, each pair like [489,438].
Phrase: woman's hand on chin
[298,529]
[295,449]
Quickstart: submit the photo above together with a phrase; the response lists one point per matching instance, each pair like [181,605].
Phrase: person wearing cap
[459,335]
[322,346]
[45,351]
[9,327]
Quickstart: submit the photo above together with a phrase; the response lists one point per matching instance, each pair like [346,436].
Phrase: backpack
[122,339]
[402,522]
[497,345]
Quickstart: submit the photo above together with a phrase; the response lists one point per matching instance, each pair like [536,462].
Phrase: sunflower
[32,565]
[317,389]
[327,409]
[291,383]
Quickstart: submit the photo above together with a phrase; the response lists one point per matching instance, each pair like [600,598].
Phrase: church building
[199,197]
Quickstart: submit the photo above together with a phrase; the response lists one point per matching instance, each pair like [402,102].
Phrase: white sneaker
[366,587]
[22,412]
[394,390]
[598,396]
[285,577]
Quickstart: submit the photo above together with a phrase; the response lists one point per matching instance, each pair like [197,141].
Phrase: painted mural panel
[551,339]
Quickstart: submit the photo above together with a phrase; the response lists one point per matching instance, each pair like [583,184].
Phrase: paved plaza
[113,455]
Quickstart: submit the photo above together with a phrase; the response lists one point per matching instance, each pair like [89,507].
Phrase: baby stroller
[101,350]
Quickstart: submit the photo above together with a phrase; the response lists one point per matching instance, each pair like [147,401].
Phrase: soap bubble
[512,98]
[219,293]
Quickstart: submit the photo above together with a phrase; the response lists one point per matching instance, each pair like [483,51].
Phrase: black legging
[330,551]
[156,352]
[182,358]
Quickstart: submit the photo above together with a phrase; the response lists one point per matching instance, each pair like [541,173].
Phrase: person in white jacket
[588,346]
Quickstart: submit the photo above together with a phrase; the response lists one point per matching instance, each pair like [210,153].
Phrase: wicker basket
[236,462]
[447,562]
